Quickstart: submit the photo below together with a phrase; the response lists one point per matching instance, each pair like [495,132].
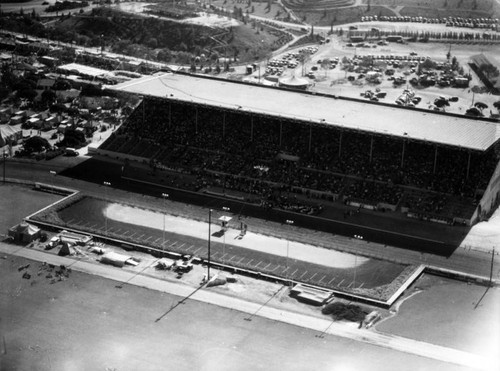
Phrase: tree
[48,97]
[72,138]
[36,144]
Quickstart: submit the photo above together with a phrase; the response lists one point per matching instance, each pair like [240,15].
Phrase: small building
[24,233]
[45,84]
[49,61]
[34,122]
[16,120]
[461,82]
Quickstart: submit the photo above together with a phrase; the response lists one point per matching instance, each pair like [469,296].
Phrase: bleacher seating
[260,154]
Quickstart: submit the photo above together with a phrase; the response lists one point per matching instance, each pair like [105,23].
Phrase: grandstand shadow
[376,227]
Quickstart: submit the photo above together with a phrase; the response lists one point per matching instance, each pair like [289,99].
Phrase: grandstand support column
[251,129]
[196,120]
[340,144]
[310,136]
[403,154]
[468,165]
[435,159]
[371,149]
[224,124]
[170,114]
[281,131]
[143,112]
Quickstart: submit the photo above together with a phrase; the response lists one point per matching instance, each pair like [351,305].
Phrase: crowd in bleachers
[259,153]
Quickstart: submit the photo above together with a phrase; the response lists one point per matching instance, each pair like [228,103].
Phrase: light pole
[289,222]
[4,161]
[165,196]
[227,209]
[106,185]
[52,172]
[209,233]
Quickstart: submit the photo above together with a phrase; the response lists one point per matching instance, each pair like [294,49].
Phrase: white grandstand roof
[428,126]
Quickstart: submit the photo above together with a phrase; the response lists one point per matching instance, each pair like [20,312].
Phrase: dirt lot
[444,312]
[86,323]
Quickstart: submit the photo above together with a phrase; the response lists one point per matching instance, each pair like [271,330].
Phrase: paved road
[323,326]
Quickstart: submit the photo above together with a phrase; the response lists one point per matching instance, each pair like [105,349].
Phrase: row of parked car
[289,60]
[455,20]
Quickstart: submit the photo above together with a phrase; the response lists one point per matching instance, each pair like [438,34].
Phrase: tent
[118,260]
[9,133]
[294,83]
[24,232]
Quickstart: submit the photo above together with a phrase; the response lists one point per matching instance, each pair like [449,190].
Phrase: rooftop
[428,126]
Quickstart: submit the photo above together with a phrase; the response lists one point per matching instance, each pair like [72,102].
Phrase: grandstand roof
[428,126]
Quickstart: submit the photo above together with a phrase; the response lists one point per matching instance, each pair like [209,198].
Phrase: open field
[85,323]
[443,312]
[330,269]
[23,200]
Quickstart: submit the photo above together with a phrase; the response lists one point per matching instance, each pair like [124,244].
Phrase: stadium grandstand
[280,148]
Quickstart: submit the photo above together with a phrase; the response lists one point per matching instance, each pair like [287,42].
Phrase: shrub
[342,311]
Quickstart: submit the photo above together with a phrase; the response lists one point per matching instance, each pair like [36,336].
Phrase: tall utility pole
[289,222]
[106,185]
[209,233]
[165,196]
[52,172]
[491,269]
[4,161]
[227,209]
